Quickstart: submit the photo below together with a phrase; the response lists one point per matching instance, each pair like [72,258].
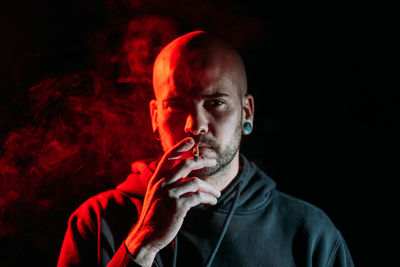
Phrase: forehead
[196,78]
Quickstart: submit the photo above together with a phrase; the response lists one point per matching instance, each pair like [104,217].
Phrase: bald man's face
[201,99]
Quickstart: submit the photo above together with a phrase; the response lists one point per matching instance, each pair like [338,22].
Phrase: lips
[204,146]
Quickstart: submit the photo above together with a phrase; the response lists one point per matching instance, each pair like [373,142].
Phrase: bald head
[200,88]
[188,59]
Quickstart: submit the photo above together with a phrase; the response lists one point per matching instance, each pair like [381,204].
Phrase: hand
[169,196]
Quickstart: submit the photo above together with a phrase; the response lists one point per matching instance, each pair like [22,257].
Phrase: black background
[324,115]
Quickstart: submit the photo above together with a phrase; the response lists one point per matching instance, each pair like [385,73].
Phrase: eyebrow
[175,98]
[216,95]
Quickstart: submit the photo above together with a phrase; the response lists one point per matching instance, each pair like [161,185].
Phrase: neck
[223,178]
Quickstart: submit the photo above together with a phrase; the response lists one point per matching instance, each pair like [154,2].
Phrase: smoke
[85,127]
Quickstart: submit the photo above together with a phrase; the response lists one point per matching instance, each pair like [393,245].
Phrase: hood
[255,188]
[136,182]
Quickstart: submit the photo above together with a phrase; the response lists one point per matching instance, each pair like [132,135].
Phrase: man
[215,208]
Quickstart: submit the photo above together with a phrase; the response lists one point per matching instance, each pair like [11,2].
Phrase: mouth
[204,146]
[204,151]
[199,149]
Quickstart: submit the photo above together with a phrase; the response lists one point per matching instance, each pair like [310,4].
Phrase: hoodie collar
[255,189]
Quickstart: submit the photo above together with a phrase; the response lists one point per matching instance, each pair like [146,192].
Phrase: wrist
[142,254]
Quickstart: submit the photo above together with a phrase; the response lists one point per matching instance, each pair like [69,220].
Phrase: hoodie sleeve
[122,258]
[79,245]
[340,255]
[89,239]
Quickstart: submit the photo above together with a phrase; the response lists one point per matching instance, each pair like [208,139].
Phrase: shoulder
[311,230]
[303,213]
[106,204]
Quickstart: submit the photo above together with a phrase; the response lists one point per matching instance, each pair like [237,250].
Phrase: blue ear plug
[247,127]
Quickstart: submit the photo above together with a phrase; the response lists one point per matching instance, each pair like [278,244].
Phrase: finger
[183,168]
[193,185]
[183,146]
[191,200]
[168,160]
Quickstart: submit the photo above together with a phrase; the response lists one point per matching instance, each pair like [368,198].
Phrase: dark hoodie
[253,224]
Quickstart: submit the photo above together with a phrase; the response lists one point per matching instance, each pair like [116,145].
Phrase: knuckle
[183,204]
[194,182]
[190,200]
[171,193]
[197,195]
[187,163]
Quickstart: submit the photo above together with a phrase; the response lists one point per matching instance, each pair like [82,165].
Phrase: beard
[224,155]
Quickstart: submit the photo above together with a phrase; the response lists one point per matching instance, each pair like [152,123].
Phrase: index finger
[169,158]
[176,151]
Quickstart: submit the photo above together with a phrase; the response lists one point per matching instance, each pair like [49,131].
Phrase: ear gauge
[247,128]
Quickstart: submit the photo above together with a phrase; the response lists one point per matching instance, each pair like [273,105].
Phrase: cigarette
[196,153]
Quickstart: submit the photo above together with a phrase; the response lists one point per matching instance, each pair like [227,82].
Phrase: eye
[173,105]
[213,103]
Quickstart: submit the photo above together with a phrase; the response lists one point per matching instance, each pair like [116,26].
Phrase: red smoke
[84,132]
[86,127]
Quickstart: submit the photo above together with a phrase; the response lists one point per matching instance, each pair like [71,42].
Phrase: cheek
[171,128]
[172,120]
[225,125]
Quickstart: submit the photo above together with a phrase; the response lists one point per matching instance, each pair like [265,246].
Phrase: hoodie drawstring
[175,251]
[226,224]
[221,236]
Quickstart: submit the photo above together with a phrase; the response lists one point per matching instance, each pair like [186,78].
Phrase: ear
[248,108]
[153,114]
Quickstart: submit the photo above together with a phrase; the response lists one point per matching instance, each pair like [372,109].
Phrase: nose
[196,123]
